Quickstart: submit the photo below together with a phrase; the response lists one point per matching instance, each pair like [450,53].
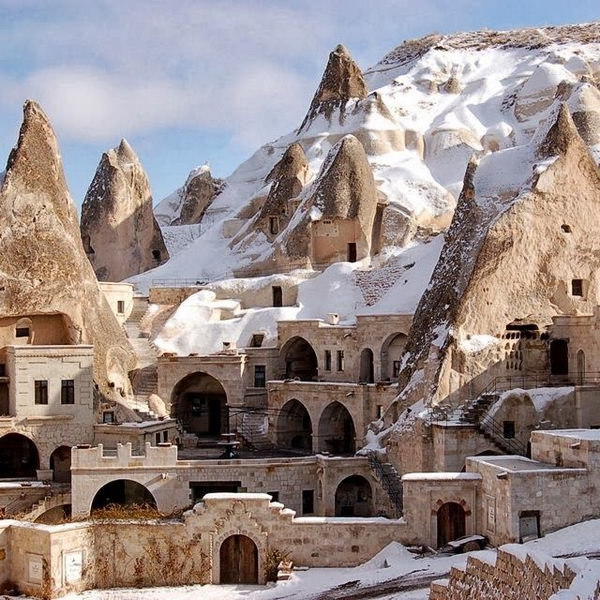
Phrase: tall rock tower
[120,234]
[43,267]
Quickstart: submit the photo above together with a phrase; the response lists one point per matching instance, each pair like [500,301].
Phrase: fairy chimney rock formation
[43,266]
[120,234]
[288,177]
[531,236]
[342,80]
[340,209]
[197,195]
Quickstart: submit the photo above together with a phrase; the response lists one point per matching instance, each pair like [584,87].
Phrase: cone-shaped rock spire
[120,234]
[341,81]
[43,267]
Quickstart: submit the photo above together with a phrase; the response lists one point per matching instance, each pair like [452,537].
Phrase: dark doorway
[277,296]
[123,492]
[18,457]
[450,523]
[353,498]
[300,360]
[239,560]
[60,463]
[200,405]
[352,255]
[336,430]
[367,372]
[294,427]
[529,525]
[201,488]
[559,357]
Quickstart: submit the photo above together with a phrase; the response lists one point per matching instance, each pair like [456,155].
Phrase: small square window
[22,332]
[260,376]
[328,360]
[577,287]
[121,306]
[257,340]
[108,416]
[67,391]
[41,391]
[274,496]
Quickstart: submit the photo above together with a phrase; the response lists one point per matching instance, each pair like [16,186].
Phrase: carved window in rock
[273,225]
[23,328]
[577,288]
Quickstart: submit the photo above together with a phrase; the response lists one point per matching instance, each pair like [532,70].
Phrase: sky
[195,81]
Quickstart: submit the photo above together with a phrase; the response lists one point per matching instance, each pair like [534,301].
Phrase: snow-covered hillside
[431,105]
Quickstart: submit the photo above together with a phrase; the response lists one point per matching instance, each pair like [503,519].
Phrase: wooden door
[239,560]
[450,522]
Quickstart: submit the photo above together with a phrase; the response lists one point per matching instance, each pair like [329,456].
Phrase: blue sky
[190,81]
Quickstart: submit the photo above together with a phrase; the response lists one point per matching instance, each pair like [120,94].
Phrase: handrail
[393,487]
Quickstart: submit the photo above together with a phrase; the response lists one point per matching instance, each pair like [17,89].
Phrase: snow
[442,476]
[477,343]
[591,435]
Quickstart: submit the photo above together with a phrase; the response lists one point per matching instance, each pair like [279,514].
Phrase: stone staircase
[475,413]
[390,481]
[56,497]
[253,430]
[145,381]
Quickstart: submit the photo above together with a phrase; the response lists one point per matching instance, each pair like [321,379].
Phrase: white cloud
[109,68]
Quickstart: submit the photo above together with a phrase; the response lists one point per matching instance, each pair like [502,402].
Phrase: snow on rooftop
[442,476]
[592,435]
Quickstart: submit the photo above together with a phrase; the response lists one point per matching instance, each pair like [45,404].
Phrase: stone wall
[72,557]
[514,574]
[170,481]
[116,292]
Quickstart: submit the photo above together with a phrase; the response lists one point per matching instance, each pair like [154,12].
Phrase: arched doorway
[200,405]
[353,497]
[294,427]
[60,463]
[367,372]
[19,457]
[238,557]
[123,492]
[391,351]
[336,430]
[300,360]
[451,525]
[580,367]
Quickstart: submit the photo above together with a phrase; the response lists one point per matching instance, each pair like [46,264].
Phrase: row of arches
[20,459]
[301,362]
[335,434]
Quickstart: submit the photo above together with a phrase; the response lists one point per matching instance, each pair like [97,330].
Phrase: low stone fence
[515,573]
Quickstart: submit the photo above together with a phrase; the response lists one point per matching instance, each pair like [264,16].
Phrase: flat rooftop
[517,464]
[592,435]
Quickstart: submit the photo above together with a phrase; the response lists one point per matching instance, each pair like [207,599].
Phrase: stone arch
[299,360]
[199,403]
[367,367]
[354,497]
[337,433]
[451,522]
[238,560]
[60,463]
[55,515]
[19,456]
[391,351]
[123,492]
[294,426]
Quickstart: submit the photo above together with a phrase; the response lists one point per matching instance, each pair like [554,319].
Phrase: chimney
[333,318]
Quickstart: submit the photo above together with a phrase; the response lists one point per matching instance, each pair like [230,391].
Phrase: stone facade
[172,482]
[79,556]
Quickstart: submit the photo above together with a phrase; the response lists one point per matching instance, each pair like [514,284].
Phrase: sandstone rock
[584,104]
[288,176]
[197,195]
[341,81]
[43,267]
[343,198]
[120,234]
[530,237]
